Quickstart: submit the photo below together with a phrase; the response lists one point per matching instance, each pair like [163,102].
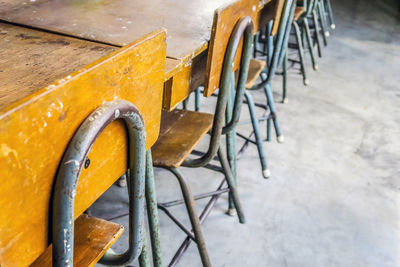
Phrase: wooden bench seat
[255,68]
[93,236]
[181,131]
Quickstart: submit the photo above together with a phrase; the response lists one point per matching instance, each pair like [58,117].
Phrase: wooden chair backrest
[225,19]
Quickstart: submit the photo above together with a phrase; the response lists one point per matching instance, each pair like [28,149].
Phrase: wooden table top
[119,22]
[48,85]
[31,60]
[190,25]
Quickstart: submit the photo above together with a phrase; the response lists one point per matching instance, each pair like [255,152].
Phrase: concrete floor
[334,194]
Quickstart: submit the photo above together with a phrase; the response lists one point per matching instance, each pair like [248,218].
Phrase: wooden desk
[48,85]
[189,25]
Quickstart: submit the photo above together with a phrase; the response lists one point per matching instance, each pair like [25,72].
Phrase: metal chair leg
[324,27]
[316,32]
[268,130]
[231,141]
[231,184]
[310,43]
[330,14]
[271,105]
[300,49]
[197,99]
[284,79]
[152,212]
[255,43]
[68,176]
[185,103]
[194,219]
[250,103]
[144,259]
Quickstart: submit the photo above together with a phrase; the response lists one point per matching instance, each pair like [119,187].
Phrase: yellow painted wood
[225,19]
[189,76]
[298,12]
[93,236]
[255,68]
[181,131]
[119,22]
[35,129]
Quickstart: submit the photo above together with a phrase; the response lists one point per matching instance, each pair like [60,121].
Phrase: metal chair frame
[227,114]
[315,10]
[273,52]
[68,176]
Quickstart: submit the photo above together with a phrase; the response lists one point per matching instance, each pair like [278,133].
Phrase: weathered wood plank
[93,236]
[35,131]
[120,22]
[255,68]
[181,131]
[225,19]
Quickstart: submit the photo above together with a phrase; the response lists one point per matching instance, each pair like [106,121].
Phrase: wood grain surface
[92,238]
[225,19]
[181,131]
[35,130]
[120,22]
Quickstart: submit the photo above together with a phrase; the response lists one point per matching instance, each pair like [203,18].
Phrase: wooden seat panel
[255,68]
[92,238]
[299,10]
[181,131]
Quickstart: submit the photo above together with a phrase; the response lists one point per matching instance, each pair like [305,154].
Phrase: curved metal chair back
[71,167]
[311,4]
[243,28]
[276,54]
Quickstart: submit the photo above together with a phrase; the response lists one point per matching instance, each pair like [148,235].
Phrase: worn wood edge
[254,15]
[44,257]
[172,67]
[255,68]
[62,81]
[178,122]
[211,49]
[279,5]
[298,12]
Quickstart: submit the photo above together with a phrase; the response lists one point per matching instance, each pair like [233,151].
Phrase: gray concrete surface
[333,198]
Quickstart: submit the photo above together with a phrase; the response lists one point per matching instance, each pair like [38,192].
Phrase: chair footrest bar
[177,222]
[200,153]
[197,197]
[214,168]
[246,138]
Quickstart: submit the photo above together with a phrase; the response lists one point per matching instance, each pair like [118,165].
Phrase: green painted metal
[330,14]
[194,219]
[310,43]
[69,172]
[273,52]
[284,84]
[322,19]
[152,212]
[228,105]
[144,259]
[231,141]
[259,142]
[197,99]
[244,27]
[316,32]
